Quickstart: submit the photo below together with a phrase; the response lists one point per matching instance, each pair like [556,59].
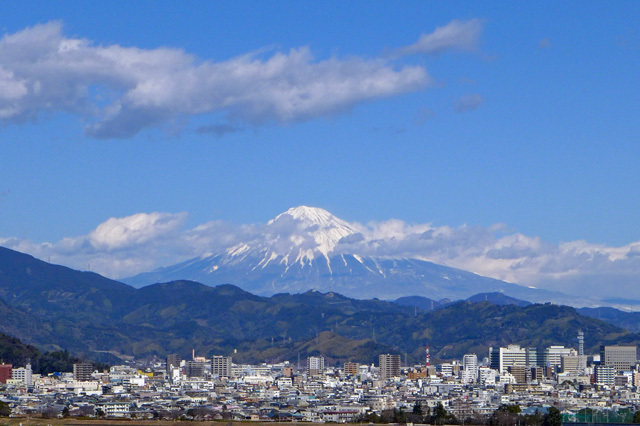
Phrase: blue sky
[527,116]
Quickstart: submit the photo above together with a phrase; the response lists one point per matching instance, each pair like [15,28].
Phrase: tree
[417,408]
[49,413]
[441,416]
[636,417]
[506,415]
[398,416]
[513,409]
[535,419]
[553,417]
[5,409]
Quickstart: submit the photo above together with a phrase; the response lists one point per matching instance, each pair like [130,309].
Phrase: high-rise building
[5,372]
[537,373]
[470,366]
[553,356]
[621,358]
[173,361]
[221,366]
[521,373]
[23,374]
[82,371]
[194,369]
[315,365]
[351,368]
[605,375]
[571,364]
[533,359]
[503,358]
[389,365]
[287,372]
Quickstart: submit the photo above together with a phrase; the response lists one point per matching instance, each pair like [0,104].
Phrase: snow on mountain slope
[296,252]
[299,235]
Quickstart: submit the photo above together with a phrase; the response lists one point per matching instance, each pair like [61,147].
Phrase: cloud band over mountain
[121,247]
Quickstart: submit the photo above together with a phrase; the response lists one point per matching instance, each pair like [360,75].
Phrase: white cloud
[133,230]
[121,247]
[456,35]
[122,90]
[116,247]
[575,267]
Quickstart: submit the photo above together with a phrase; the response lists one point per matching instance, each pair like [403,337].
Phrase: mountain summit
[299,235]
[299,250]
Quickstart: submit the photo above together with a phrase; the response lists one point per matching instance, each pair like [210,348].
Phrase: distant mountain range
[301,250]
[426,304]
[55,307]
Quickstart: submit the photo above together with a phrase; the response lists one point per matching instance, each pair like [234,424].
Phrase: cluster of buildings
[216,388]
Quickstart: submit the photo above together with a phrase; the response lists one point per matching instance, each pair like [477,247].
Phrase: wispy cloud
[468,102]
[219,130]
[456,35]
[545,43]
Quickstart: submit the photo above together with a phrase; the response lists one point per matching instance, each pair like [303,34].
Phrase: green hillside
[97,318]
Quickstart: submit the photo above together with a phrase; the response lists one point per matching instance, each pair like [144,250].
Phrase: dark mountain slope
[422,303]
[42,288]
[497,299]
[628,320]
[94,317]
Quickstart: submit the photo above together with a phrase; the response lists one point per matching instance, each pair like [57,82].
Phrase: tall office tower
[82,371]
[533,360]
[470,366]
[194,369]
[173,361]
[389,366]
[503,358]
[604,375]
[621,358]
[553,356]
[221,366]
[521,373]
[351,368]
[315,365]
[571,364]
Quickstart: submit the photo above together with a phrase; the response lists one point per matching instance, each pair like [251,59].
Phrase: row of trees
[505,415]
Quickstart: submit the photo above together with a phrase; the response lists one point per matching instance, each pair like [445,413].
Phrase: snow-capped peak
[298,235]
[314,216]
[325,228]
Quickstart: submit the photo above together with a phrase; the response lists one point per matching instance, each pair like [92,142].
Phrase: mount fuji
[301,250]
